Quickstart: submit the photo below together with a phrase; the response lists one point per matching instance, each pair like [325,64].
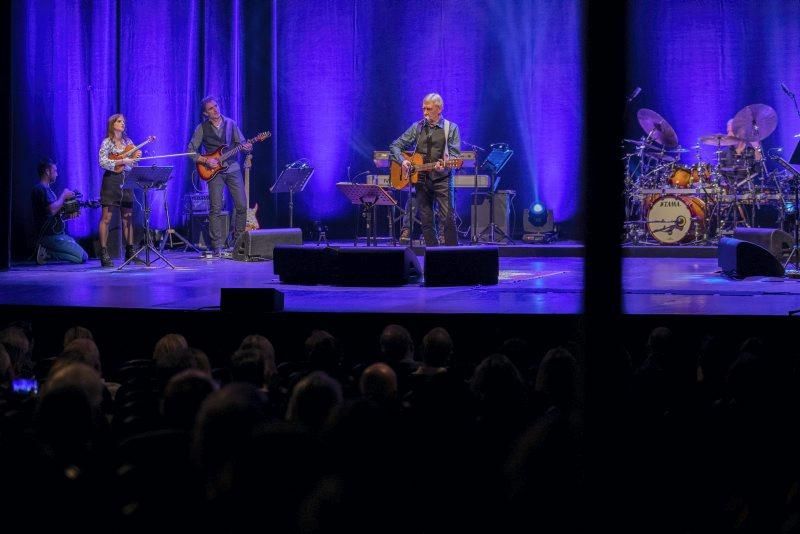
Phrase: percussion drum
[701,172]
[680,176]
[672,219]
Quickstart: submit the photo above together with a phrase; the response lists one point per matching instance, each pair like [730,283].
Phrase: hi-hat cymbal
[657,128]
[719,139]
[755,122]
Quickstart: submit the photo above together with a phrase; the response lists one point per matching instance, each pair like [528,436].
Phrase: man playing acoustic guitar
[435,140]
[216,131]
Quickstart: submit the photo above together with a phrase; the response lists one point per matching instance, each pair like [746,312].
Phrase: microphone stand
[474,212]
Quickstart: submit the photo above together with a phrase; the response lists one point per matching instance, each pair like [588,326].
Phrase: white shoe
[41,255]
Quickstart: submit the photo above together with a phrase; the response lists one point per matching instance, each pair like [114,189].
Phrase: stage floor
[538,283]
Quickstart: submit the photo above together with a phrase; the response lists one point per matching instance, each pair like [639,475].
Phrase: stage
[533,280]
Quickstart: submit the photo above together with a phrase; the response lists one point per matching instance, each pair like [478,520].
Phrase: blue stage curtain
[76,63]
[699,63]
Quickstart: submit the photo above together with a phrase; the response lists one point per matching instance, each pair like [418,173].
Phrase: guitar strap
[228,131]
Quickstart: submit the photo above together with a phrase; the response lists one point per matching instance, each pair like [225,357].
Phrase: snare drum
[672,219]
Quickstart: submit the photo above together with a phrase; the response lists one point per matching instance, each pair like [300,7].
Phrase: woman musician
[116,158]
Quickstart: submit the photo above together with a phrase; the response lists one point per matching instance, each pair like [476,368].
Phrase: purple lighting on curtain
[699,63]
[540,45]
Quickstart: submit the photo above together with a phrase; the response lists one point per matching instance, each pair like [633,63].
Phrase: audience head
[378,383]
[437,348]
[314,399]
[83,350]
[168,345]
[184,394]
[557,377]
[396,344]
[76,332]
[264,346]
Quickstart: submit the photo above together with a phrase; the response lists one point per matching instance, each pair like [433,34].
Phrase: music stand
[292,180]
[494,163]
[148,178]
[367,196]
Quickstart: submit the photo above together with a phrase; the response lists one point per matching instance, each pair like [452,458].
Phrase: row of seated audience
[418,440]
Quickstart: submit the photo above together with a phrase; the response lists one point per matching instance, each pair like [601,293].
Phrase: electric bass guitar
[131,152]
[400,178]
[252,222]
[206,171]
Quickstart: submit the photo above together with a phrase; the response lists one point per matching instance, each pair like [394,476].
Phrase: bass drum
[673,219]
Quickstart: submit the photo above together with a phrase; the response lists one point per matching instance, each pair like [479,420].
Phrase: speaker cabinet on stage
[502,207]
[347,266]
[248,299]
[199,228]
[377,266]
[776,241]
[297,264]
[740,259]
[258,244]
[462,266]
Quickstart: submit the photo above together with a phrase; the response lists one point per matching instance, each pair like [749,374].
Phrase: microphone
[634,94]
[787,91]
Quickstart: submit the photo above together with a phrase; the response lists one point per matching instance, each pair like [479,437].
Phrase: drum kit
[670,202]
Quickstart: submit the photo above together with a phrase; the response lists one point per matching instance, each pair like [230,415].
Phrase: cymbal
[719,139]
[660,156]
[639,143]
[755,122]
[657,127]
[678,150]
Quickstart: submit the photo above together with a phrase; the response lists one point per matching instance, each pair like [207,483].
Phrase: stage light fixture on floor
[538,224]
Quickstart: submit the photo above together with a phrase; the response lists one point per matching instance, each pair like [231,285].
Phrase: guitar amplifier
[195,203]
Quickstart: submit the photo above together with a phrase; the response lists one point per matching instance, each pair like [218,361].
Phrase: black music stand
[494,163]
[367,196]
[292,180]
[147,179]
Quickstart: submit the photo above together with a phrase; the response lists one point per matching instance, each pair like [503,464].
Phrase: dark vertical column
[605,31]
[6,148]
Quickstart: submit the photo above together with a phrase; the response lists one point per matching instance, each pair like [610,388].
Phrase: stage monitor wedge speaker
[250,299]
[298,264]
[740,259]
[775,240]
[377,266]
[255,245]
[346,266]
[462,266]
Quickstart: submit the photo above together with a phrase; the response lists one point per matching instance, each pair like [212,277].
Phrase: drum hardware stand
[795,252]
[169,232]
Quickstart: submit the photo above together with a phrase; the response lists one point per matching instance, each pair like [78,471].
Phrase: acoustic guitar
[207,172]
[252,221]
[399,178]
